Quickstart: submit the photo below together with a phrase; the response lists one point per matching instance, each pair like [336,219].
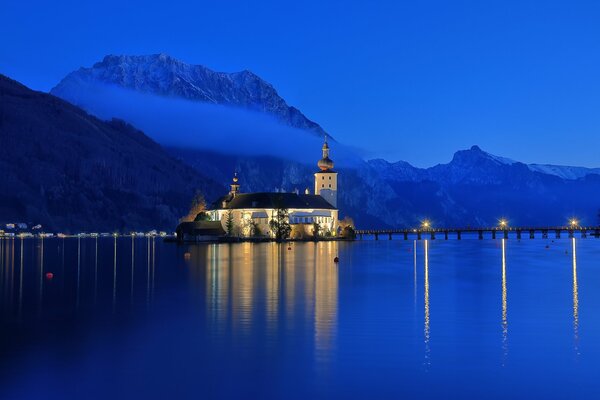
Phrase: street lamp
[574,223]
[503,223]
[425,224]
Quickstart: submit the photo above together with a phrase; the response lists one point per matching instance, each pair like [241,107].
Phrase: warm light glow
[503,223]
[426,224]
[504,306]
[426,329]
[575,299]
[574,222]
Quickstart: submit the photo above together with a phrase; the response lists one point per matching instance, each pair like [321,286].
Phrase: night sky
[400,80]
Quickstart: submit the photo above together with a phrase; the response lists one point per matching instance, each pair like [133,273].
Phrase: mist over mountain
[183,123]
[164,75]
[68,170]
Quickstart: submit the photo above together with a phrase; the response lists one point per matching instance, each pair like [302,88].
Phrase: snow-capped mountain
[475,165]
[164,75]
[474,188]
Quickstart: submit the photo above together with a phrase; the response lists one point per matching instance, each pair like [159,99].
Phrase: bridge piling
[557,231]
[458,235]
[480,234]
[531,234]
[493,234]
[518,234]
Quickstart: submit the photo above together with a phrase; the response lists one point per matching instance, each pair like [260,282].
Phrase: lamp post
[425,225]
[503,224]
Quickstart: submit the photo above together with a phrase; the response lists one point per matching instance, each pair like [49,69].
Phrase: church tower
[326,178]
[235,186]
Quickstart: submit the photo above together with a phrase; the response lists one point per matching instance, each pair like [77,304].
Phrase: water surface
[139,318]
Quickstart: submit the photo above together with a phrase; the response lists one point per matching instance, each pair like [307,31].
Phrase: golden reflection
[248,283]
[273,277]
[243,285]
[426,329]
[326,298]
[217,283]
[575,300]
[415,274]
[504,306]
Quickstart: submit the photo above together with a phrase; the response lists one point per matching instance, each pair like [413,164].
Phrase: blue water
[139,318]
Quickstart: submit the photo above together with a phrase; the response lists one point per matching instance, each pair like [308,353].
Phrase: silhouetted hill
[68,170]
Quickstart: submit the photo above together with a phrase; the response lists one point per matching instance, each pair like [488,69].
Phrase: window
[323,185]
[323,177]
[330,185]
[329,178]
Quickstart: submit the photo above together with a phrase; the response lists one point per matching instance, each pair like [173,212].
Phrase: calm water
[138,317]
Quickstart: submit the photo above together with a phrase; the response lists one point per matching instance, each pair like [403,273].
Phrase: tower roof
[325,163]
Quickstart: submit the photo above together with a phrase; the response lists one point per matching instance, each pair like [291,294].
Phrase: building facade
[250,214]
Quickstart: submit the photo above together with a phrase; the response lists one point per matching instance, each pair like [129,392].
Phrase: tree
[198,206]
[202,216]
[347,228]
[251,228]
[229,226]
[316,230]
[255,228]
[280,224]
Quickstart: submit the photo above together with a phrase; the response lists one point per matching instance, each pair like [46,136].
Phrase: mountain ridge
[164,75]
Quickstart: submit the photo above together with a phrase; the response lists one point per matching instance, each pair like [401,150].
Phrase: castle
[249,214]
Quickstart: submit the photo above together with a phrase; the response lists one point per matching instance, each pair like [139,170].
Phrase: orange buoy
[49,275]
[336,260]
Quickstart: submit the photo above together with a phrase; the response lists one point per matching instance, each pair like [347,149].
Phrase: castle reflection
[284,287]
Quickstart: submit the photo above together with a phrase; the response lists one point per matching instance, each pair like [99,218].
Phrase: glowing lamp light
[503,223]
[426,224]
[573,222]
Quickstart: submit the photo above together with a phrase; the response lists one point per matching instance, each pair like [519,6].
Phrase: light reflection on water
[287,321]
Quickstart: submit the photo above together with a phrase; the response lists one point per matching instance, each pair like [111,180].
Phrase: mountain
[71,171]
[164,75]
[474,188]
[477,188]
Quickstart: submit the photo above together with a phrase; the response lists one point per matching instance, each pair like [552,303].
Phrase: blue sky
[401,80]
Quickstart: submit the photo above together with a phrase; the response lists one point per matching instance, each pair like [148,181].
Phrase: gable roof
[273,200]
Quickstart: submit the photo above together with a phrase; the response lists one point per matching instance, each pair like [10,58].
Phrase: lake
[140,318]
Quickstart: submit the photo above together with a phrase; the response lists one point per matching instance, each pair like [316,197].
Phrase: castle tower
[326,178]
[235,186]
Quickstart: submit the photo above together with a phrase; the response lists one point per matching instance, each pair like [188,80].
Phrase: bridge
[493,232]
